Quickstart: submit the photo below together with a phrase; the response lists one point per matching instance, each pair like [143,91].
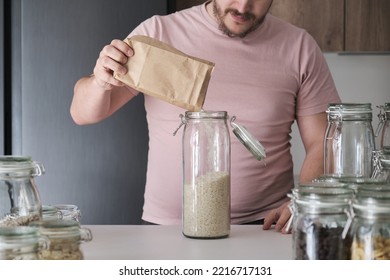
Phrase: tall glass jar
[349,140]
[21,243]
[384,124]
[320,216]
[65,238]
[206,170]
[370,229]
[20,201]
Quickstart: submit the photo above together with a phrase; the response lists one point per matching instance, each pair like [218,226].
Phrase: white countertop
[149,242]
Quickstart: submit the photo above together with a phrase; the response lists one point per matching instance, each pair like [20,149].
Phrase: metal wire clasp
[382,119]
[183,122]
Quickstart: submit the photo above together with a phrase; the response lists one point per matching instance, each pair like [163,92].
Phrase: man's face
[237,18]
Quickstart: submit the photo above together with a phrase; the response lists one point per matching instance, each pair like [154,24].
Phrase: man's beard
[220,15]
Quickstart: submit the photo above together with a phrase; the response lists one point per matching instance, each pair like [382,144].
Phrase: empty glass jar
[20,202]
[349,140]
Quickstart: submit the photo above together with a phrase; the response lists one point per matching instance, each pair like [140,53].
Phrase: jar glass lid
[248,140]
[14,164]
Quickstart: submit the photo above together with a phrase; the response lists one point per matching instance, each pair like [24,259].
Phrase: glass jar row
[44,240]
[333,220]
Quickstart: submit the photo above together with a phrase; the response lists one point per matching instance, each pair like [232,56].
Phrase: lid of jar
[349,108]
[372,199]
[62,229]
[356,183]
[325,196]
[378,191]
[10,237]
[206,114]
[340,112]
[12,164]
[15,162]
[248,140]
[325,182]
[18,231]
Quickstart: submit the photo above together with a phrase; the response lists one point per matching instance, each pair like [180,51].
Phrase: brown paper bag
[162,71]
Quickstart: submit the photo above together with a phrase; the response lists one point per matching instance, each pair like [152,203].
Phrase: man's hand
[111,59]
[280,216]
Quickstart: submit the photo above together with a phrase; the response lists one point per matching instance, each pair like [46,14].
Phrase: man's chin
[235,32]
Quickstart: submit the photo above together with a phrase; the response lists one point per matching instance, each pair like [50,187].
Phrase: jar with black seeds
[320,216]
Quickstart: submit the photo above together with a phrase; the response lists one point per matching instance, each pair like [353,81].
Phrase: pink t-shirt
[266,79]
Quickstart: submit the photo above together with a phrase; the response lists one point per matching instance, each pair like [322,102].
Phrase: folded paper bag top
[162,71]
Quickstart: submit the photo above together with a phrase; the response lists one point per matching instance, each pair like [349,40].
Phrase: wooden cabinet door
[367,25]
[323,19]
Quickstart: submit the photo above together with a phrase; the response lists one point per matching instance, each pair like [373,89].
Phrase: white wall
[360,79]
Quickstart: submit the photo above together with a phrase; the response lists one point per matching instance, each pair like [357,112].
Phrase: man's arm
[312,130]
[98,96]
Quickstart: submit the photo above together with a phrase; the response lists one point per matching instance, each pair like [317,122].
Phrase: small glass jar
[21,243]
[69,211]
[370,228]
[320,216]
[65,238]
[349,140]
[206,165]
[20,201]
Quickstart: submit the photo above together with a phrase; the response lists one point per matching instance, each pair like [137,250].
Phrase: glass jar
[384,125]
[65,238]
[206,170]
[20,201]
[382,165]
[320,216]
[21,243]
[69,211]
[349,140]
[370,228]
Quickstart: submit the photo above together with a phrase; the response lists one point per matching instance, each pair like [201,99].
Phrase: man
[267,73]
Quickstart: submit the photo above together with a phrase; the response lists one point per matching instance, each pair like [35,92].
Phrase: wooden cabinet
[367,25]
[323,19]
[336,25]
[341,25]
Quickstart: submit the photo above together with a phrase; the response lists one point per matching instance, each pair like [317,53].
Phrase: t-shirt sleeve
[317,88]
